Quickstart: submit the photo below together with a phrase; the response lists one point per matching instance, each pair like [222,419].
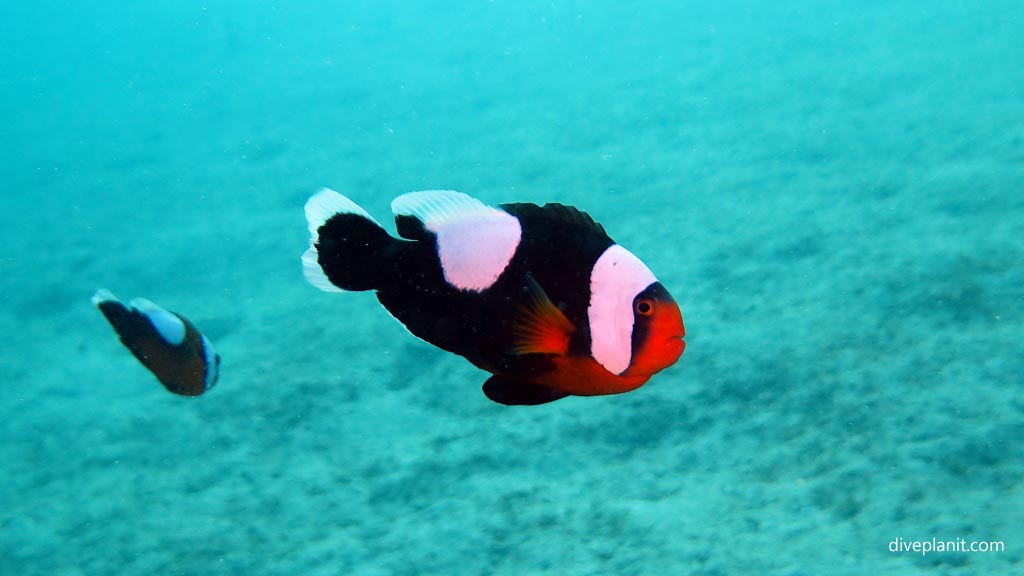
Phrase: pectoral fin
[540,327]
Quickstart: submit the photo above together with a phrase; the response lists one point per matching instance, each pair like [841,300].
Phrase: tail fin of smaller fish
[348,249]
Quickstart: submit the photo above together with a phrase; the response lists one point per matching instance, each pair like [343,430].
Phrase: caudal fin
[348,249]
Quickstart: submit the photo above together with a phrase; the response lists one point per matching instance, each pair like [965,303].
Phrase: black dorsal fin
[556,215]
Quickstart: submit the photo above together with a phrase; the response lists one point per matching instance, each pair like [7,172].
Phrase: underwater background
[832,190]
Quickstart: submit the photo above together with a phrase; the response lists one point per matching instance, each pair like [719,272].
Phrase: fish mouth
[676,342]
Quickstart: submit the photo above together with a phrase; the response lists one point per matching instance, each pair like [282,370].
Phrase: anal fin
[515,393]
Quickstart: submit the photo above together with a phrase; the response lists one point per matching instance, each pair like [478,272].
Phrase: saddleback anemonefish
[166,343]
[539,296]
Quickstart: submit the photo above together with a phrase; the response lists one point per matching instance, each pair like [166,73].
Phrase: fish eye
[644,307]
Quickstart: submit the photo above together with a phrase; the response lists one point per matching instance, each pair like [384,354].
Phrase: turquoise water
[833,191]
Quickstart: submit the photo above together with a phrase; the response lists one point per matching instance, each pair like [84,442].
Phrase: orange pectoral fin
[540,327]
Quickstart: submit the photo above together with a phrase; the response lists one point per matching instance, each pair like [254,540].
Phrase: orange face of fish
[658,343]
[658,333]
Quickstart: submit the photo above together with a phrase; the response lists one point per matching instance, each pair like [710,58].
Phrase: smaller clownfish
[166,343]
[539,296]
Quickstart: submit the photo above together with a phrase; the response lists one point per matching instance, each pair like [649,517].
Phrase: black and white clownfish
[166,343]
[539,296]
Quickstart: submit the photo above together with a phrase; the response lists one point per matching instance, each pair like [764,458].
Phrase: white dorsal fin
[435,208]
[475,242]
[167,324]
